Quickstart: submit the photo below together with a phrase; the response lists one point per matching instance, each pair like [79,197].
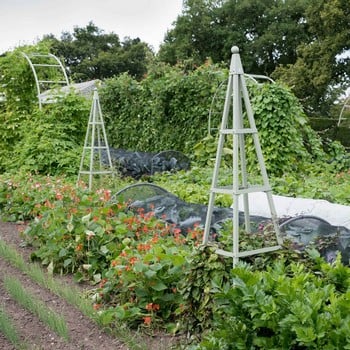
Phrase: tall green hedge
[167,110]
[47,141]
[171,107]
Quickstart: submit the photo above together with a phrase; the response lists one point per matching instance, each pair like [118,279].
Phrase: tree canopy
[89,53]
[303,42]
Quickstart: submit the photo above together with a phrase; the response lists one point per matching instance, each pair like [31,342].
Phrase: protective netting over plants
[302,230]
[137,164]
[169,207]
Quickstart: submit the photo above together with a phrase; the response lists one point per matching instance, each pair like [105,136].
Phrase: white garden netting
[335,214]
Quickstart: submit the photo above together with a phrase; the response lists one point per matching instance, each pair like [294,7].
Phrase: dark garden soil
[83,332]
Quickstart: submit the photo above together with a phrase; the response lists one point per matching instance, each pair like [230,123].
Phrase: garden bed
[83,332]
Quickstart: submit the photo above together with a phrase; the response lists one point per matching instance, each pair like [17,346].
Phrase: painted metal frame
[345,106]
[38,81]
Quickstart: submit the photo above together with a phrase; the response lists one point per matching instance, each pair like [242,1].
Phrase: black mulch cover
[137,164]
[301,230]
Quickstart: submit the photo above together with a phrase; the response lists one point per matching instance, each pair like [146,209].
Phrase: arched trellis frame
[39,61]
[346,106]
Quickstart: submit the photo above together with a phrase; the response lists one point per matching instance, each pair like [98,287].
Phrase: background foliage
[47,141]
[304,43]
[177,109]
[171,108]
[166,110]
[89,53]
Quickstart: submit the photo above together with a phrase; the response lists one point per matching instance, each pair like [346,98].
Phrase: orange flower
[143,247]
[152,307]
[147,320]
[79,247]
[176,231]
[103,282]
[96,306]
[133,260]
[59,196]
[156,307]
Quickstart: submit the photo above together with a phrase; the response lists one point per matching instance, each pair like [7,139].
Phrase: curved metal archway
[346,105]
[48,61]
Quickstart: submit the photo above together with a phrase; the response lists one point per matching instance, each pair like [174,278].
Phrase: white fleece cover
[335,214]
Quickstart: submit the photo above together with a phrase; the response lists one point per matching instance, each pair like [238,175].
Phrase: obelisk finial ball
[234,49]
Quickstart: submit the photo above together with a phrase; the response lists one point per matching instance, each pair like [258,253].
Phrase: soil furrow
[83,332]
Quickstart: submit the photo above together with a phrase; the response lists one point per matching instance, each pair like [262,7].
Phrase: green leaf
[107,317]
[150,273]
[178,260]
[85,219]
[50,268]
[104,250]
[305,335]
[158,286]
[67,262]
[62,253]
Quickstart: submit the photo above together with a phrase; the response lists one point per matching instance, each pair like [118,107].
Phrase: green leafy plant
[145,273]
[208,273]
[51,140]
[285,307]
[158,112]
[142,281]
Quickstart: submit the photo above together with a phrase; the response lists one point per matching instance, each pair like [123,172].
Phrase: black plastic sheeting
[301,230]
[306,229]
[138,164]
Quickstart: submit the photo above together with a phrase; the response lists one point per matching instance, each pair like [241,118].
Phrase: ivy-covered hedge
[47,141]
[287,140]
[175,109]
[167,110]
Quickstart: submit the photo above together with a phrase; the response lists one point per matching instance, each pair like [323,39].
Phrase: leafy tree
[89,53]
[302,42]
[322,67]
[267,32]
[190,36]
